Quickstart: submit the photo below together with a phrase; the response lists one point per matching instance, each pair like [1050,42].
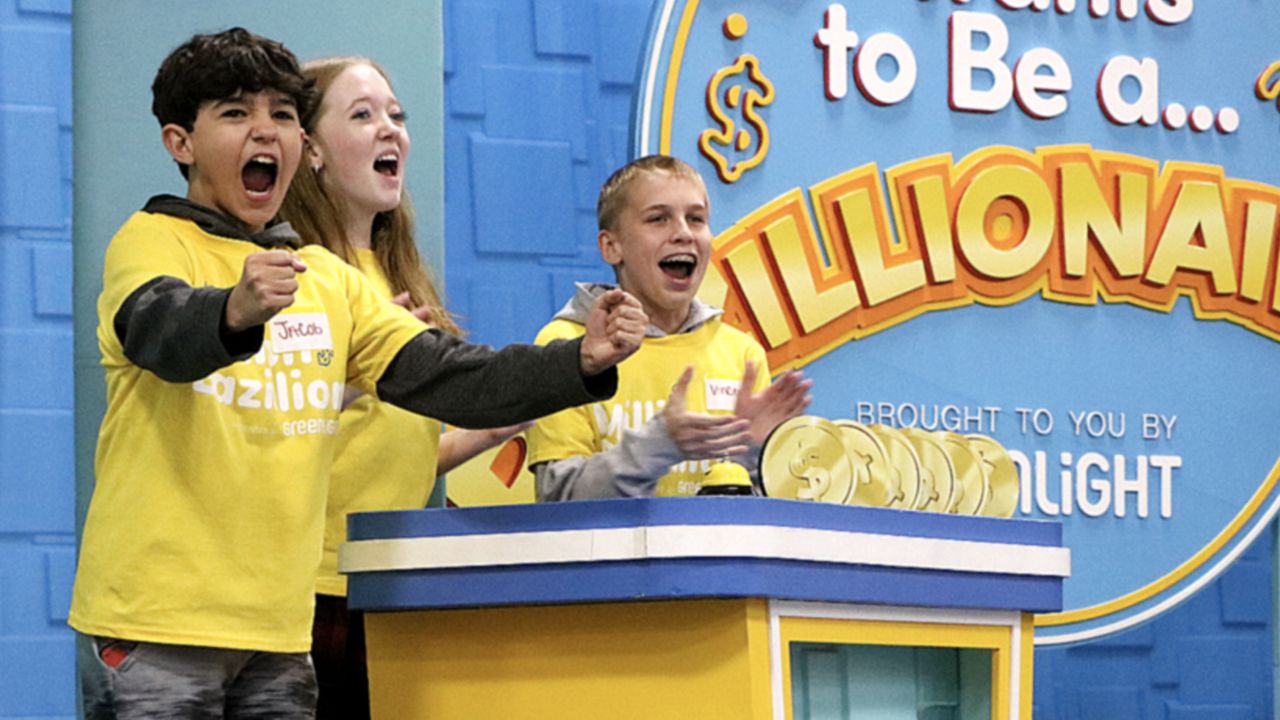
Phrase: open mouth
[680,266]
[259,174]
[388,165]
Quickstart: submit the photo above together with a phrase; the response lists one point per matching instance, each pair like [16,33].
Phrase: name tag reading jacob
[300,331]
[722,394]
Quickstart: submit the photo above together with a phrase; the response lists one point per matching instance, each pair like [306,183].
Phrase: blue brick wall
[1211,658]
[538,101]
[37,476]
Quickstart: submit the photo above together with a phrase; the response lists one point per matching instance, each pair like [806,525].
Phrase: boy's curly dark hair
[220,65]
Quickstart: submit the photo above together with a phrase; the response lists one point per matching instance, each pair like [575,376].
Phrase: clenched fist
[267,286]
[615,328]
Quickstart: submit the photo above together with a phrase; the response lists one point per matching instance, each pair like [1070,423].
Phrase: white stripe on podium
[666,542]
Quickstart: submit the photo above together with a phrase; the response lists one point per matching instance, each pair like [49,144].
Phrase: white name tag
[300,331]
[722,394]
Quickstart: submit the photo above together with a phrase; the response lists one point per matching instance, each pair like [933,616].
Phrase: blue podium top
[672,548]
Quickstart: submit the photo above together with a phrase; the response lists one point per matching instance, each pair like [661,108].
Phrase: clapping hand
[699,436]
[765,410]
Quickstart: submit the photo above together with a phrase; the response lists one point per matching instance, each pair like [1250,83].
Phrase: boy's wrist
[231,320]
[236,339]
[588,365]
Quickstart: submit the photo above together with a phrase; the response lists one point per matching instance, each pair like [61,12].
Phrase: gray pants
[124,680]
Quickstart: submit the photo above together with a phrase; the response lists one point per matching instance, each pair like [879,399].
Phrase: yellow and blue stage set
[687,607]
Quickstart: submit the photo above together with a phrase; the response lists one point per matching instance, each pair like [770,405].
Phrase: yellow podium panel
[668,659]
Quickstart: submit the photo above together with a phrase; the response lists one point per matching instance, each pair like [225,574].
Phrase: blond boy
[697,389]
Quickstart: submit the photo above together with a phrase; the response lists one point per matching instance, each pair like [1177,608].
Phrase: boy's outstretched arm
[475,386]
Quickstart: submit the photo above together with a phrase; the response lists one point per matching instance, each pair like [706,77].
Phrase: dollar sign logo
[806,466]
[737,144]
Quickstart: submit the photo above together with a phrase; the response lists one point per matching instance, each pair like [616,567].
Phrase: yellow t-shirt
[719,354]
[385,459]
[207,518]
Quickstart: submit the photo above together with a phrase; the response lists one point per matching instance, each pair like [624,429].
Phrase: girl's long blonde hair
[320,218]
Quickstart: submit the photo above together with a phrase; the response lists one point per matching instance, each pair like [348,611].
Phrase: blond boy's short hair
[613,194]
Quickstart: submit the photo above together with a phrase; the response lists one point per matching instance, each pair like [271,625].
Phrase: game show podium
[719,607]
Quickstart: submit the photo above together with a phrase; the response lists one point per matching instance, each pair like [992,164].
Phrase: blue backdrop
[538,95]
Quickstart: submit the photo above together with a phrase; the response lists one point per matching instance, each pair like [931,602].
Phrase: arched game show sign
[1049,222]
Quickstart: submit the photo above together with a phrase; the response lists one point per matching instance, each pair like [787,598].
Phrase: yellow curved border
[673,75]
[1178,574]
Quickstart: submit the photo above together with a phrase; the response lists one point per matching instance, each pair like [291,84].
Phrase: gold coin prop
[841,461]
[971,482]
[872,470]
[938,475]
[1002,476]
[805,458]
[904,467]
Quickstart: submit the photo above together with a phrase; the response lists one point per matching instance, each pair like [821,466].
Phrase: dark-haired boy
[227,347]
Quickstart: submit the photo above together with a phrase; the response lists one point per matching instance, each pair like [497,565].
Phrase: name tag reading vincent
[300,331]
[722,394]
